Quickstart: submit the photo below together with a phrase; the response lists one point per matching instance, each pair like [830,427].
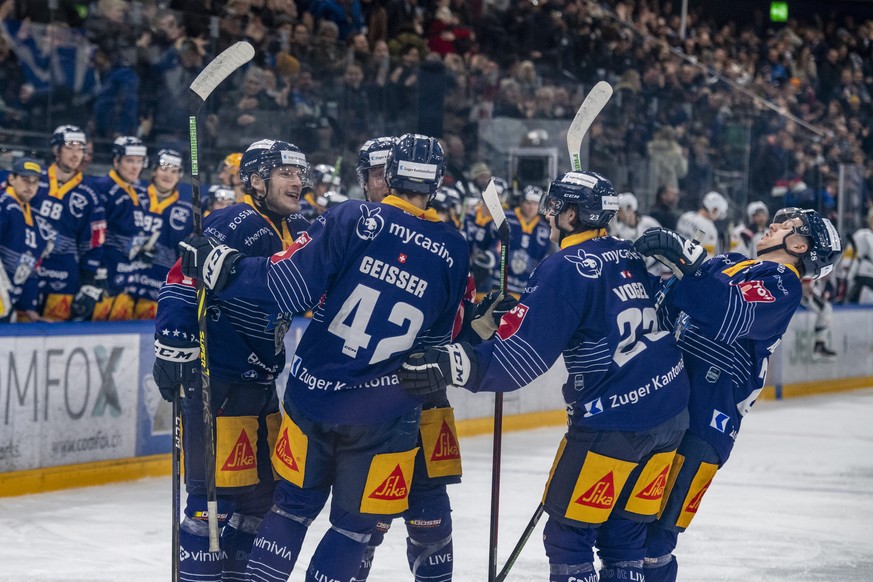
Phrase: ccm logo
[756,292]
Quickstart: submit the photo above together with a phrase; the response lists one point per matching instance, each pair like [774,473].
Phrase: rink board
[79,405]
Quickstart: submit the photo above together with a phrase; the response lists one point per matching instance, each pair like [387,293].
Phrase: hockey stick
[177,486]
[594,103]
[591,107]
[215,72]
[492,202]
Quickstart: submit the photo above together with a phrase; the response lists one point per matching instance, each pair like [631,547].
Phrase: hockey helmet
[171,158]
[531,193]
[754,208]
[232,162]
[373,154]
[222,194]
[716,205]
[591,192]
[68,134]
[627,201]
[322,174]
[446,199]
[415,165]
[128,145]
[264,155]
[825,245]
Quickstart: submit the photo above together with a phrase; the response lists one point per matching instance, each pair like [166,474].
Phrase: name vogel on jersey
[393,275]
[407,235]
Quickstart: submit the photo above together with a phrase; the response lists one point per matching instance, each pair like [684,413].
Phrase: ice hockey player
[529,241]
[860,267]
[219,198]
[71,278]
[246,353]
[166,223]
[729,314]
[713,208]
[228,177]
[126,203]
[383,279]
[370,167]
[447,203]
[745,237]
[626,390]
[24,238]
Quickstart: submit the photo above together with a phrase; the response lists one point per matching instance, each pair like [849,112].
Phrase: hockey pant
[861,291]
[690,476]
[246,422]
[366,468]
[603,488]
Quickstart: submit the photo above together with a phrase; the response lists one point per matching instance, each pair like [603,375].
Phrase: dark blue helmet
[264,155]
[128,145]
[168,157]
[68,134]
[446,199]
[592,194]
[415,165]
[825,245]
[373,153]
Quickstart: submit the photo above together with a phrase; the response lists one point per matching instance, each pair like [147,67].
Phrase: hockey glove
[489,311]
[176,366]
[93,284]
[206,259]
[425,373]
[683,257]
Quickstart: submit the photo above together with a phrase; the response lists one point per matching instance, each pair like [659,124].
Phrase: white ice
[795,503]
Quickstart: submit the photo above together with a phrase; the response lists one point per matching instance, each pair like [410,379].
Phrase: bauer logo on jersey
[719,420]
[593,408]
[589,266]
[179,216]
[510,322]
[370,224]
[755,292]
[416,170]
[302,240]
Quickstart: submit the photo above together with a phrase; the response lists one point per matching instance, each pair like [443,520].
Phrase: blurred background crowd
[715,98]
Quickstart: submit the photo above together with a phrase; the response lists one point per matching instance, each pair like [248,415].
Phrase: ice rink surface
[795,503]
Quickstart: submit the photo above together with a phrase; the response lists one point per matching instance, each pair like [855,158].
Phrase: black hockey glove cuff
[93,284]
[489,311]
[425,373]
[683,257]
[176,366]
[206,259]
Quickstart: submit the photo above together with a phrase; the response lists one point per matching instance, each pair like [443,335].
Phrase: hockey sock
[236,542]
[630,571]
[196,561]
[338,556]
[370,552]
[572,573]
[276,547]
[662,569]
[429,546]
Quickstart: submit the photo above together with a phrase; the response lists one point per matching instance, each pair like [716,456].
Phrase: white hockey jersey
[691,222]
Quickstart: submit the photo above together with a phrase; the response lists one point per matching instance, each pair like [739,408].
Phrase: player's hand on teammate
[431,371]
[684,257]
[207,259]
[489,311]
[176,366]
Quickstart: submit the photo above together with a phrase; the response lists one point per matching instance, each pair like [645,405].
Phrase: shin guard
[276,547]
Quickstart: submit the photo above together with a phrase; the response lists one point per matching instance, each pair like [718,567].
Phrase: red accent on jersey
[755,292]
[302,240]
[175,276]
[627,274]
[510,322]
[98,233]
[392,488]
[401,258]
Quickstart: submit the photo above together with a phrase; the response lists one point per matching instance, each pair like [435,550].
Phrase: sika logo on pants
[387,488]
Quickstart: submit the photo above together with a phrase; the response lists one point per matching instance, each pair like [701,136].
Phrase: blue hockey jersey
[593,302]
[528,245]
[382,279]
[24,236]
[729,319]
[77,216]
[479,230]
[245,336]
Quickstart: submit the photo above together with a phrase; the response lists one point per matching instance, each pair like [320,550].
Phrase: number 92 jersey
[381,279]
[593,302]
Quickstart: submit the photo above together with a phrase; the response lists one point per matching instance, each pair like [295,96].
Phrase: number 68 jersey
[594,303]
[382,280]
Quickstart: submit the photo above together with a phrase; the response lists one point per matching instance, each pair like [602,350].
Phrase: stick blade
[492,203]
[221,67]
[594,103]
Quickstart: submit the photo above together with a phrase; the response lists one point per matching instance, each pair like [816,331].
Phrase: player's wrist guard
[432,371]
[682,256]
[206,259]
[176,366]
